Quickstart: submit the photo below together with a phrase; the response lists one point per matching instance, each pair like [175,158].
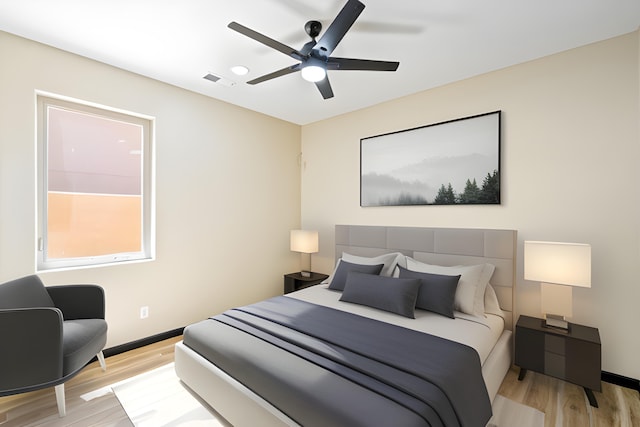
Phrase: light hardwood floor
[563,404]
[39,408]
[566,404]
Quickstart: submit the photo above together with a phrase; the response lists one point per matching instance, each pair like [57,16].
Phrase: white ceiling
[435,41]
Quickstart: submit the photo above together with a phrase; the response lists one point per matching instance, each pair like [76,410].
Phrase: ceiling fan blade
[325,88]
[361,64]
[267,41]
[339,27]
[279,73]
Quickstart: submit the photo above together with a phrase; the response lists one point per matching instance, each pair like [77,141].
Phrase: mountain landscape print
[449,163]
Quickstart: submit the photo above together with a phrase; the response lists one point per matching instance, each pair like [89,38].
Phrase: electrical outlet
[144,312]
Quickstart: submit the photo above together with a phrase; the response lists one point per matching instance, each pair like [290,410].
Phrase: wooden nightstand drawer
[554,344]
[554,364]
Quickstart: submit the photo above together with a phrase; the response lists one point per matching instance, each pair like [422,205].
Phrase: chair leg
[60,399]
[103,364]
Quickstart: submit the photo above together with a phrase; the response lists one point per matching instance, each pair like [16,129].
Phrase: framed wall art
[456,162]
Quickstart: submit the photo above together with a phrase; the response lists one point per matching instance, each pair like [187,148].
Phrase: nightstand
[296,281]
[573,355]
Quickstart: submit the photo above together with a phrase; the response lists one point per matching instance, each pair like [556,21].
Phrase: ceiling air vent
[220,80]
[212,77]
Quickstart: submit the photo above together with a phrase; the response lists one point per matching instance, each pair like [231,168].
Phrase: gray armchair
[48,334]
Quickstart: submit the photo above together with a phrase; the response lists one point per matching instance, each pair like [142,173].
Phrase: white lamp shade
[560,263]
[304,241]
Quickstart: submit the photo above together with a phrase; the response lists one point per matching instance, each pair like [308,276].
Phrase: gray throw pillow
[437,292]
[385,293]
[340,276]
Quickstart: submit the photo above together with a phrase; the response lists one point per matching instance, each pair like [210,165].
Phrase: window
[95,200]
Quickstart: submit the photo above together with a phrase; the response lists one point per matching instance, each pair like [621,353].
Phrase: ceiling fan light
[240,70]
[313,73]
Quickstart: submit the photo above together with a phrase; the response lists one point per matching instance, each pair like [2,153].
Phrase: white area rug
[507,413]
[158,398]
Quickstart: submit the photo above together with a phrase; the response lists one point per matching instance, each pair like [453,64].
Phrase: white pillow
[471,286]
[491,303]
[483,282]
[389,260]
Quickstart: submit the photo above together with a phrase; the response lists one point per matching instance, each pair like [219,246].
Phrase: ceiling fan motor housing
[313,28]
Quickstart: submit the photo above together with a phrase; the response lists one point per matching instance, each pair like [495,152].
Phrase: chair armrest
[31,348]
[78,301]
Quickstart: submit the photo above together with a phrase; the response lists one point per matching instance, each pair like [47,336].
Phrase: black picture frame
[456,162]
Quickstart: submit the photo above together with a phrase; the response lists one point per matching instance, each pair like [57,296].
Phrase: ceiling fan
[315,56]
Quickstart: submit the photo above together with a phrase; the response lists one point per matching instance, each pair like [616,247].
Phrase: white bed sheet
[478,333]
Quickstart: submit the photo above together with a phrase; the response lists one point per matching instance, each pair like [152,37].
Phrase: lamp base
[556,322]
[304,273]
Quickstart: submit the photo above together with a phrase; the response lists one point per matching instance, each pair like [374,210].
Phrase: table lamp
[558,266]
[306,242]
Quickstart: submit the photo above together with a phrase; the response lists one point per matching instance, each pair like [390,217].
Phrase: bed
[356,355]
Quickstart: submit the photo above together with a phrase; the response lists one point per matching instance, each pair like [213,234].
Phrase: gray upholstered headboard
[442,246]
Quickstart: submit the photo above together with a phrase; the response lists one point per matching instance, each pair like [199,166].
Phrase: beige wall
[570,155]
[228,192]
